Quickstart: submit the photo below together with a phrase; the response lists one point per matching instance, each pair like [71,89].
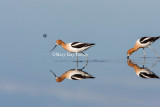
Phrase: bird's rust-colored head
[129,52]
[59,42]
[58,79]
[135,48]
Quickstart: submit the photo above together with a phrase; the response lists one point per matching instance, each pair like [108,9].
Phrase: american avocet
[143,42]
[75,47]
[142,71]
[73,74]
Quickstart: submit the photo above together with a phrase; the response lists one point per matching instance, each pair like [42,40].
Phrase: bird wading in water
[74,47]
[143,42]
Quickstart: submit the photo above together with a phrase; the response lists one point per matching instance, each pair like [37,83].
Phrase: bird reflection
[74,74]
[142,72]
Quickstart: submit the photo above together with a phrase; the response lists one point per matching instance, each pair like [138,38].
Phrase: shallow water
[115,84]
[30,28]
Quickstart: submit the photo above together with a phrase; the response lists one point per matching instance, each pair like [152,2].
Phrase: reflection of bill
[142,71]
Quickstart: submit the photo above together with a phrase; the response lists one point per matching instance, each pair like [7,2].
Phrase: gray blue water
[26,60]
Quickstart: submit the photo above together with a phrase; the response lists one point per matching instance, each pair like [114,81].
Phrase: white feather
[77,72]
[76,50]
[144,45]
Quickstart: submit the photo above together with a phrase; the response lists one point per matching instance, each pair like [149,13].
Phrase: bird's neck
[135,48]
[62,44]
[131,64]
[60,79]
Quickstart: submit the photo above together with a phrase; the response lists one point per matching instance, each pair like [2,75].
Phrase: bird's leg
[154,63]
[154,51]
[77,57]
[144,57]
[85,65]
[86,56]
[143,62]
[144,52]
[76,64]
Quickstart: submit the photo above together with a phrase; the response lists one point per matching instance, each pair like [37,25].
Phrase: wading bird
[75,47]
[143,42]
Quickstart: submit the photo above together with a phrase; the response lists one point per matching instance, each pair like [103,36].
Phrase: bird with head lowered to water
[143,42]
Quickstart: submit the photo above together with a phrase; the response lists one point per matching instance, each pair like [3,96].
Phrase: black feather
[81,45]
[76,76]
[150,39]
[74,43]
[143,75]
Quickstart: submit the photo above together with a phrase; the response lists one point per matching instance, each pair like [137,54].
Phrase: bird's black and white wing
[148,74]
[82,75]
[81,45]
[145,40]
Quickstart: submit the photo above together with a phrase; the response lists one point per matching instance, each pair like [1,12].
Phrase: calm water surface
[29,29]
[115,83]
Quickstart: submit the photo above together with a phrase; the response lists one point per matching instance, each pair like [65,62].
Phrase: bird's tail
[158,37]
[92,43]
[88,76]
[155,38]
[91,77]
